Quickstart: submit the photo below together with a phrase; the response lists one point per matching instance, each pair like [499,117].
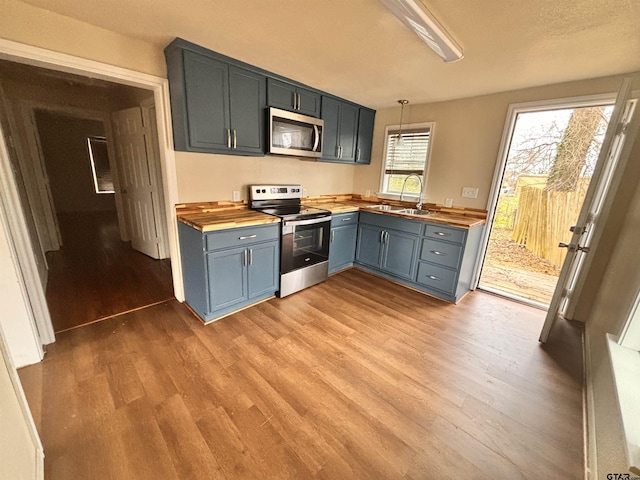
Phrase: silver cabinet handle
[381,236]
[247,237]
[295,100]
[386,237]
[228,138]
[346,219]
[333,235]
[299,102]
[244,259]
[358,155]
[435,252]
[251,256]
[443,234]
[433,277]
[235,139]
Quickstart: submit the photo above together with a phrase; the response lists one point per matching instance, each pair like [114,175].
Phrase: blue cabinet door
[293,97]
[207,100]
[308,102]
[369,249]
[348,132]
[399,256]
[227,278]
[331,131]
[365,136]
[342,249]
[264,262]
[247,101]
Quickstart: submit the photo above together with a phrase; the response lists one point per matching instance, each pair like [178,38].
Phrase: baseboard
[588,413]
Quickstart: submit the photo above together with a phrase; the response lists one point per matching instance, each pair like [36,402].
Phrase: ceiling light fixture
[415,16]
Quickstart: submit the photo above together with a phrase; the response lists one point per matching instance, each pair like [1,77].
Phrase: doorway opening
[550,155]
[101,251]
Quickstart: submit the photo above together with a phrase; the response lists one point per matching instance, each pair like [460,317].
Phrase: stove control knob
[264,191]
[257,190]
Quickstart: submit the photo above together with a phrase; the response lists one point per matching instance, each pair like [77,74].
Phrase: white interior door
[586,226]
[136,185]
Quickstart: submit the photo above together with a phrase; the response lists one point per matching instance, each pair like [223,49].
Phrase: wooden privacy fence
[543,219]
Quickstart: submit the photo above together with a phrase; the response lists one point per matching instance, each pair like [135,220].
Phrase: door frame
[503,152]
[28,111]
[39,57]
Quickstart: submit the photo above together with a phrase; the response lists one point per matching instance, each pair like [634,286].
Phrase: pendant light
[402,104]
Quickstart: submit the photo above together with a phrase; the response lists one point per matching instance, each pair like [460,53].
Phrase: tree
[572,151]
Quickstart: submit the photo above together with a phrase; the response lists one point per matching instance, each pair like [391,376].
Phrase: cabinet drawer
[442,253]
[236,237]
[437,277]
[388,221]
[440,232]
[343,219]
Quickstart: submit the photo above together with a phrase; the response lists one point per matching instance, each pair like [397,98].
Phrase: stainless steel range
[304,255]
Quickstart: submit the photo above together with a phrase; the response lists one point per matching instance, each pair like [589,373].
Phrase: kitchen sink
[414,211]
[385,208]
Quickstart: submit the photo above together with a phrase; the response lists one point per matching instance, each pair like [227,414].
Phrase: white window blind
[100,168]
[405,156]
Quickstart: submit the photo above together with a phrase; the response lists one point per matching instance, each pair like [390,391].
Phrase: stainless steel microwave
[294,134]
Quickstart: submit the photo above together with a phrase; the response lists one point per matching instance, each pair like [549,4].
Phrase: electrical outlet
[236,195]
[448,202]
[470,192]
[304,193]
[367,193]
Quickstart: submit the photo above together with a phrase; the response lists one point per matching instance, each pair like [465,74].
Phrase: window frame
[96,186]
[427,161]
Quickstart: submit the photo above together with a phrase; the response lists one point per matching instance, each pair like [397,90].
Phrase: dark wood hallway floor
[355,378]
[96,275]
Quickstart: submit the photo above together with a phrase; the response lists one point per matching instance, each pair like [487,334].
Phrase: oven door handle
[311,221]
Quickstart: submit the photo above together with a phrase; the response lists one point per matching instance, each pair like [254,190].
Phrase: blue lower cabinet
[227,278]
[399,256]
[342,249]
[390,251]
[436,259]
[229,270]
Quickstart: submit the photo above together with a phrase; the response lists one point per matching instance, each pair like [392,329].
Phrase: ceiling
[358,50]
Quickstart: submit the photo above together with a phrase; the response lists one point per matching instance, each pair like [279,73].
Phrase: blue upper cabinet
[207,102]
[295,98]
[340,130]
[247,103]
[217,107]
[365,136]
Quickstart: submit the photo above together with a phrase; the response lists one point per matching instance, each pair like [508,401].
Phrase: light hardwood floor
[355,378]
[96,275]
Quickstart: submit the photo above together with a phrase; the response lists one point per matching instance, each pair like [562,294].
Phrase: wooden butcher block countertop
[454,216]
[211,216]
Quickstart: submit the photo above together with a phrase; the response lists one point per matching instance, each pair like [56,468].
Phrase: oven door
[304,243]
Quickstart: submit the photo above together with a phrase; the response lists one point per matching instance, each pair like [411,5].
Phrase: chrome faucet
[419,204]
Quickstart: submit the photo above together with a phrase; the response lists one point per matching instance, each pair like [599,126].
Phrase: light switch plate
[367,193]
[448,202]
[470,192]
[236,195]
[304,193]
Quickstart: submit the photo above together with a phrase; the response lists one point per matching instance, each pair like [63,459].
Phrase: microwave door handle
[316,132]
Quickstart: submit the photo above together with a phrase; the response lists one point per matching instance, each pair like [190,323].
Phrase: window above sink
[406,161]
